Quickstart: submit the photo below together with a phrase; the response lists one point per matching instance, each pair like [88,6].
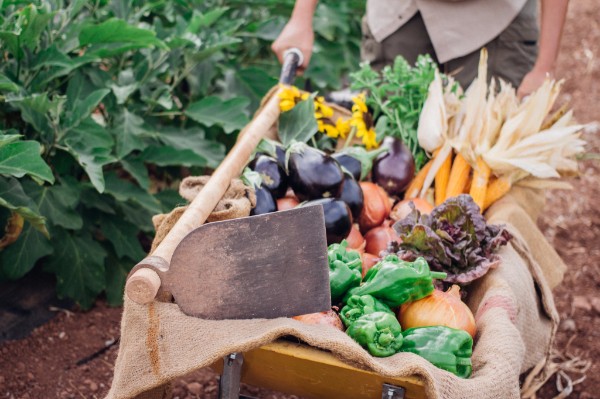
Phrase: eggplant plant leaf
[78,262]
[231,115]
[123,237]
[20,257]
[299,123]
[23,158]
[13,197]
[116,276]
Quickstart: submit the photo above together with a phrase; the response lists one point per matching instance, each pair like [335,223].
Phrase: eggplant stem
[350,137]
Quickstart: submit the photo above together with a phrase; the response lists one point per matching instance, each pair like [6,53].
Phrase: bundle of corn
[497,139]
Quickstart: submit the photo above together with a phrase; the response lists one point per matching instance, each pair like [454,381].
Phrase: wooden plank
[312,373]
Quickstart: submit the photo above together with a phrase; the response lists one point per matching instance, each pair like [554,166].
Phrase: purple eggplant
[272,174]
[313,174]
[351,164]
[352,195]
[338,218]
[265,203]
[394,170]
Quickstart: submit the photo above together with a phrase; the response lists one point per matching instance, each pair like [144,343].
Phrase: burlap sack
[515,315]
[236,203]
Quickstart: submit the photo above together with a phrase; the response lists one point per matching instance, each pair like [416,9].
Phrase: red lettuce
[454,238]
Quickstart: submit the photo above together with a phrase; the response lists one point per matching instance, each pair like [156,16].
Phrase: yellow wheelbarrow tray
[297,368]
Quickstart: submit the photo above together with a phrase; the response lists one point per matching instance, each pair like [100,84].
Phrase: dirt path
[73,355]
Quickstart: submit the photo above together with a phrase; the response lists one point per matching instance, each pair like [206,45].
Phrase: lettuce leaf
[454,238]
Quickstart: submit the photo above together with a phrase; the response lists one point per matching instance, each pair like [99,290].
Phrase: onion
[377,206]
[368,261]
[285,203]
[439,309]
[379,238]
[356,240]
[402,208]
[328,318]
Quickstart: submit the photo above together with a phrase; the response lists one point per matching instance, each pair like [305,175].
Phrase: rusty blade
[266,266]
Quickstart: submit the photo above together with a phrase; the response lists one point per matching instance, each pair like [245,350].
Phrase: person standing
[521,50]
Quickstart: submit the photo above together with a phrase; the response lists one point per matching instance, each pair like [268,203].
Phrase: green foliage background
[106,105]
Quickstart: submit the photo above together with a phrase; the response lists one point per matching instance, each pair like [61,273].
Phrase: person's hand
[532,81]
[297,33]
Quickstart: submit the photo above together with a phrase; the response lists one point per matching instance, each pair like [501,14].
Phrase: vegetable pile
[403,180]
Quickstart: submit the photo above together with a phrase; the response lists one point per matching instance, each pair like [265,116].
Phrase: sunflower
[289,97]
[362,121]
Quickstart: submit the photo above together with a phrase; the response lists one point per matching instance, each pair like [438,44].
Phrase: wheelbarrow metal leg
[229,386]
[392,392]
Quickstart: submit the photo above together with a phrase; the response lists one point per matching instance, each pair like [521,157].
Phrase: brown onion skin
[378,239]
[356,240]
[368,261]
[328,318]
[439,309]
[285,203]
[402,208]
[377,206]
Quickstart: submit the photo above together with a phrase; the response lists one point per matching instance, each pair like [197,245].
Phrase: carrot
[497,188]
[459,175]
[441,180]
[481,177]
[417,183]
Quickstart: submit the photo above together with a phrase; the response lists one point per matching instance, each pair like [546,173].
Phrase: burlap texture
[236,203]
[513,304]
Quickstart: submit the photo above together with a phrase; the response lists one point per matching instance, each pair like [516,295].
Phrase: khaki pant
[511,54]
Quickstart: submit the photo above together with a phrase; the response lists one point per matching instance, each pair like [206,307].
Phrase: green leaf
[23,158]
[14,198]
[137,215]
[35,110]
[57,203]
[299,123]
[123,190]
[193,139]
[20,257]
[130,130]
[116,276]
[119,31]
[9,138]
[11,41]
[200,20]
[78,262]
[34,24]
[8,85]
[211,110]
[252,83]
[83,108]
[169,199]
[90,146]
[92,199]
[123,237]
[169,156]
[136,168]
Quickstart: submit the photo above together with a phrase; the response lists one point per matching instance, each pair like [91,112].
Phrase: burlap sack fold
[236,203]
[513,304]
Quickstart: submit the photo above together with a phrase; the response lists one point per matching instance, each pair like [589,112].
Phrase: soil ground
[72,356]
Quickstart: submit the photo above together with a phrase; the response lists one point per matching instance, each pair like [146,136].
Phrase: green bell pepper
[447,348]
[395,281]
[378,332]
[358,305]
[345,270]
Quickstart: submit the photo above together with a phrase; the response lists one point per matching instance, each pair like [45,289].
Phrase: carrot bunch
[486,141]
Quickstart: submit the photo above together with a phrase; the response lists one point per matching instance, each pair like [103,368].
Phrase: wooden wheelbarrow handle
[143,285]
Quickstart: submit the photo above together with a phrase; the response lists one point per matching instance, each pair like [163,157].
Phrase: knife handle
[292,59]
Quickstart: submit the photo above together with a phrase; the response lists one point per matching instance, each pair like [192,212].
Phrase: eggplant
[352,195]
[272,174]
[265,203]
[394,170]
[313,174]
[280,155]
[338,218]
[351,164]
